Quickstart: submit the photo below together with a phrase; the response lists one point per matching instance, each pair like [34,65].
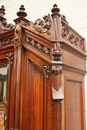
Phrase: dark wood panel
[73,105]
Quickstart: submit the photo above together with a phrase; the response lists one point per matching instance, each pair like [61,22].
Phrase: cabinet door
[33,96]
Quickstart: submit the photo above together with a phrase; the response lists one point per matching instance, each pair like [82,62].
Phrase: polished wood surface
[46,63]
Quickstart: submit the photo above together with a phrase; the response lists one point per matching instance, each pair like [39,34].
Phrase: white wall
[74,10]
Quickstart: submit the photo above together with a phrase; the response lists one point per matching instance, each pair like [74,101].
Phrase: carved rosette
[44,25]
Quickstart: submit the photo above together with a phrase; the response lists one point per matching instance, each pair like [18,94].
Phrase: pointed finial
[22,12]
[55,11]
[2,13]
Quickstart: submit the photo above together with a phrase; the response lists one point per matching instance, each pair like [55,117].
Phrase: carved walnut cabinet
[43,87]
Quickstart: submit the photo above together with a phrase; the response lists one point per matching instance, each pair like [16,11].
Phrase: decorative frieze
[6,42]
[70,35]
[38,46]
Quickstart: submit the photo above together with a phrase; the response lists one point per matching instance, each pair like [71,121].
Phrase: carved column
[56,32]
[56,69]
[9,57]
[18,39]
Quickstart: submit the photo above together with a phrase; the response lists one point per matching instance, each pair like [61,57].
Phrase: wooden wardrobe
[42,82]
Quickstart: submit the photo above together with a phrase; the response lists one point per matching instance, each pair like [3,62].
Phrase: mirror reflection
[3,96]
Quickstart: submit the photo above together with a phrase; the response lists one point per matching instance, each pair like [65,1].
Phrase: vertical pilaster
[18,40]
[56,69]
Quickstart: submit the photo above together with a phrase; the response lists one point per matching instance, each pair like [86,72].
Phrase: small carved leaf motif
[43,25]
[9,56]
[47,69]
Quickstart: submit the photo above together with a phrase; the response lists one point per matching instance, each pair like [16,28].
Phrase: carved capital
[56,69]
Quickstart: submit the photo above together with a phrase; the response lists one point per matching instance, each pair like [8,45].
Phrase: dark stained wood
[46,66]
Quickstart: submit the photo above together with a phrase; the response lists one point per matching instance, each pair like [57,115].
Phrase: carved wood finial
[55,11]
[21,16]
[22,12]
[2,13]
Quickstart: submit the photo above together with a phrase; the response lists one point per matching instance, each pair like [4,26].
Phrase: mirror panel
[3,96]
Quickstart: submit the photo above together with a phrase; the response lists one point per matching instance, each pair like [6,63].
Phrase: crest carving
[43,25]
